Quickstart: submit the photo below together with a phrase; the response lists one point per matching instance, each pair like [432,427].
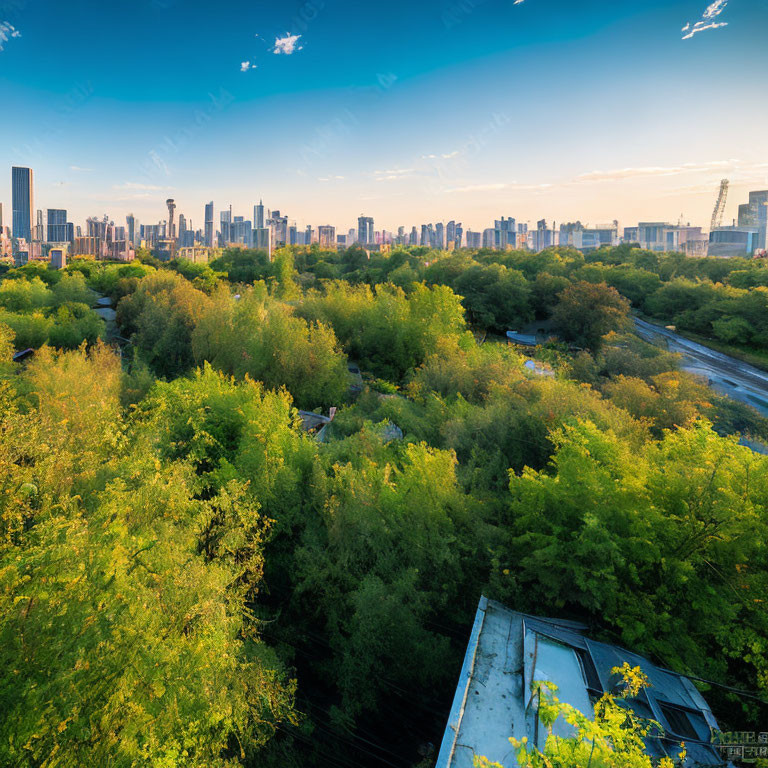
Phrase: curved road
[725,374]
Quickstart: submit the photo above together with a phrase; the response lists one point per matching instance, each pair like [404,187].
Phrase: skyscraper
[171,223]
[225,235]
[439,235]
[130,220]
[505,234]
[209,225]
[258,215]
[57,225]
[22,189]
[365,230]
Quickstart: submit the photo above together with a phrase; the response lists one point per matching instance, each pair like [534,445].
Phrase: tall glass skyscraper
[57,225]
[23,202]
[209,224]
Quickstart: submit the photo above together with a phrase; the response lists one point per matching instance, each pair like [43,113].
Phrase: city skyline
[469,108]
[103,238]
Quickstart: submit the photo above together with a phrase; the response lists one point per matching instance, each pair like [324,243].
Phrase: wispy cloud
[287,45]
[331,178]
[512,186]
[394,174]
[7,32]
[651,171]
[707,20]
[78,169]
[446,156]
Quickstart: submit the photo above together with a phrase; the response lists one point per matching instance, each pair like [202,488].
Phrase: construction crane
[717,214]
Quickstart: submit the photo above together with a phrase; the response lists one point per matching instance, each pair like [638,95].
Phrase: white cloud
[698,27]
[331,178]
[715,9]
[246,65]
[287,45]
[79,169]
[394,174]
[707,20]
[7,32]
[446,156]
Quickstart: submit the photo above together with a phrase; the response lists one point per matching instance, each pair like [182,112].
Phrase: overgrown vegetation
[188,578]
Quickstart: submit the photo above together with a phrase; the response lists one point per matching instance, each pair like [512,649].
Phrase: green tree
[588,311]
[262,338]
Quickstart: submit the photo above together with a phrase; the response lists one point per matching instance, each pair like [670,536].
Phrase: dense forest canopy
[189,578]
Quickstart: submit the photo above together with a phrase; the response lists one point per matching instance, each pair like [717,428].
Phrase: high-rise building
[22,190]
[57,226]
[258,215]
[241,232]
[171,220]
[473,239]
[209,233]
[225,234]
[130,221]
[439,235]
[326,235]
[450,232]
[365,232]
[182,229]
[505,234]
[754,214]
[278,226]
[542,237]
[39,233]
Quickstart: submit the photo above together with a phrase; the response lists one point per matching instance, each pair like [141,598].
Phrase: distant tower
[130,220]
[171,216]
[209,224]
[171,232]
[22,186]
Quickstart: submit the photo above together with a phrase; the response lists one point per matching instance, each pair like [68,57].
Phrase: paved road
[725,374]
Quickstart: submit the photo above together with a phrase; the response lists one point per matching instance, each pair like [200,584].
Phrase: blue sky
[410,112]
